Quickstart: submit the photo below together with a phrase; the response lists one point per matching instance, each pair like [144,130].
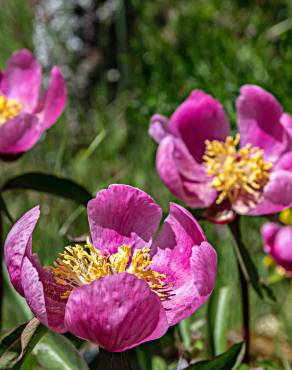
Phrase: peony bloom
[25,113]
[201,163]
[278,244]
[122,288]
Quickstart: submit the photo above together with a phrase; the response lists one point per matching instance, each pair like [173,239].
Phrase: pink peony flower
[25,113]
[200,163]
[278,244]
[122,288]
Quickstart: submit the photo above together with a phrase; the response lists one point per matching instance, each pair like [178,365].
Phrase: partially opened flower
[202,164]
[278,244]
[277,239]
[25,113]
[123,287]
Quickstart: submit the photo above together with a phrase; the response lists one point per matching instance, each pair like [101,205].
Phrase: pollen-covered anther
[236,174]
[9,108]
[80,265]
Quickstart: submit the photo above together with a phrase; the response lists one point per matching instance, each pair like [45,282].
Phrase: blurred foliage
[124,61]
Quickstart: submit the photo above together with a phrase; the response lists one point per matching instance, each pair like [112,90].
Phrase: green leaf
[218,313]
[56,352]
[19,343]
[248,267]
[49,184]
[226,361]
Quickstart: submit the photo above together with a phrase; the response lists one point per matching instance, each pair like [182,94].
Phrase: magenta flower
[122,288]
[25,113]
[200,163]
[278,244]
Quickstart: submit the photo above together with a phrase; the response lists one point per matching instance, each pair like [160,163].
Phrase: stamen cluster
[236,173]
[80,265]
[9,108]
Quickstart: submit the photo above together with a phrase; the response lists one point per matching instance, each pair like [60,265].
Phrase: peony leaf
[55,352]
[19,343]
[226,361]
[51,184]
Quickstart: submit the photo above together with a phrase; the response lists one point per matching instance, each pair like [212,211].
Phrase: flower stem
[113,360]
[1,269]
[235,231]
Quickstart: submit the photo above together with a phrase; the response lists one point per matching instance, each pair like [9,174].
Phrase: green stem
[235,230]
[113,360]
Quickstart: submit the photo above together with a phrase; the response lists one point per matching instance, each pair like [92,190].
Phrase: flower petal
[277,194]
[22,79]
[182,175]
[54,100]
[19,134]
[120,215]
[284,163]
[269,232]
[33,290]
[43,295]
[18,244]
[282,249]
[197,288]
[172,250]
[199,118]
[116,312]
[158,127]
[258,116]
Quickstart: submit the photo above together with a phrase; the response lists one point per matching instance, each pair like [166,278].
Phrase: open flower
[203,165]
[25,113]
[122,288]
[277,240]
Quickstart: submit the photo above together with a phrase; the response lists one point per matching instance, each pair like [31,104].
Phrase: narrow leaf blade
[222,362]
[51,184]
[18,343]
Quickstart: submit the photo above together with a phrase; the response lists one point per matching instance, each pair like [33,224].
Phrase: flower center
[236,173]
[80,265]
[9,108]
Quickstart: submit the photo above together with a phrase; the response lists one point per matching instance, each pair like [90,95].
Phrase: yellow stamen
[80,265]
[286,216]
[9,108]
[236,173]
[268,261]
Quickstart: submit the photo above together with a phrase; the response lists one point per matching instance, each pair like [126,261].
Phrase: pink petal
[172,250]
[18,244]
[277,194]
[182,175]
[158,127]
[38,286]
[33,290]
[286,121]
[116,312]
[54,100]
[269,232]
[199,118]
[197,288]
[43,295]
[22,79]
[282,249]
[120,215]
[284,163]
[258,116]
[19,134]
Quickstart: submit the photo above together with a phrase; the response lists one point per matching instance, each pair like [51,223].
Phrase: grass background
[138,58]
